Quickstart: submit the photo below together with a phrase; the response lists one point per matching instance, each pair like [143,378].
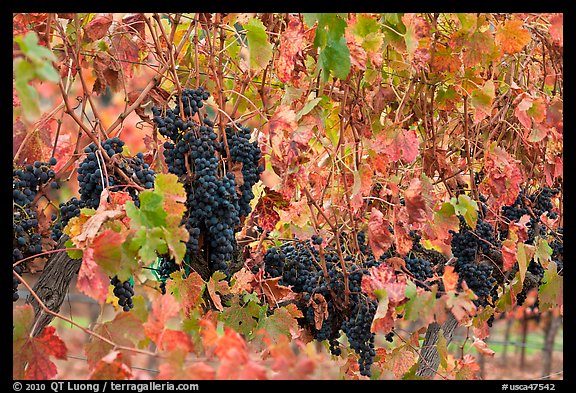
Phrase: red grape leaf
[508,254]
[287,362]
[397,143]
[125,329]
[445,60]
[362,185]
[230,343]
[174,367]
[126,48]
[92,280]
[556,29]
[479,47]
[250,370]
[402,238]
[416,29]
[384,277]
[187,290]
[290,49]
[98,26]
[467,368]
[265,215]
[511,37]
[280,127]
[31,355]
[111,367]
[414,198]
[242,281]
[163,309]
[379,236]
[503,176]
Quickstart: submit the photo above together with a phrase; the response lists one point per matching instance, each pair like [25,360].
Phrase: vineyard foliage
[259,195]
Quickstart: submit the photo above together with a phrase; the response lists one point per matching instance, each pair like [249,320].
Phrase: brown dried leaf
[379,236]
[320,307]
[98,26]
[107,73]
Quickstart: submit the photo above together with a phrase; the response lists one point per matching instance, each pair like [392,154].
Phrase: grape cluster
[466,245]
[92,172]
[124,291]
[26,183]
[166,267]
[421,269]
[298,264]
[16,282]
[215,202]
[67,210]
[248,154]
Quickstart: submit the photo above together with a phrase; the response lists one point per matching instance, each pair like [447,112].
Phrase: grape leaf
[482,348]
[217,284]
[163,309]
[125,329]
[400,360]
[243,318]
[397,144]
[111,367]
[415,202]
[281,324]
[379,236]
[31,355]
[175,368]
[511,37]
[467,208]
[98,26]
[92,280]
[551,291]
[291,42]
[525,254]
[260,48]
[482,101]
[187,290]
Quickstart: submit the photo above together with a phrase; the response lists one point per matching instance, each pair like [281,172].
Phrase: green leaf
[281,323]
[48,72]
[29,100]
[550,292]
[335,59]
[543,252]
[23,71]
[74,254]
[308,107]
[467,208]
[242,318]
[442,347]
[260,48]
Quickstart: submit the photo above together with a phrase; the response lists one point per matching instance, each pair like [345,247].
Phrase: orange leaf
[482,348]
[273,291]
[163,309]
[379,236]
[112,367]
[511,37]
[290,45]
[450,278]
[397,144]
